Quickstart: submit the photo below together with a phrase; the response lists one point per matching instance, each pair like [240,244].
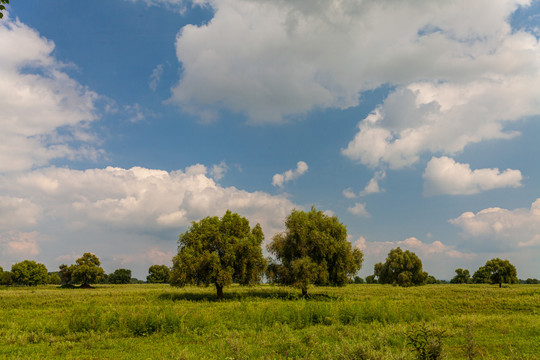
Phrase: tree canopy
[87,270]
[120,276]
[462,277]
[403,268]
[313,250]
[29,272]
[219,251]
[501,271]
[158,274]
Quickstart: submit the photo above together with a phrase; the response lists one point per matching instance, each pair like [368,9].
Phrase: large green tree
[87,270]
[313,250]
[403,268]
[158,274]
[462,277]
[481,276]
[29,272]
[219,251]
[501,271]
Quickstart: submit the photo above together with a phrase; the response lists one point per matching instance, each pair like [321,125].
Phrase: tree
[2,7]
[313,250]
[120,276]
[219,251]
[501,271]
[5,278]
[462,277]
[481,276]
[66,274]
[28,272]
[401,268]
[371,279]
[87,270]
[53,279]
[158,274]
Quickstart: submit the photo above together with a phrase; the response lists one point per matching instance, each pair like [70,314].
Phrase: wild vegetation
[158,321]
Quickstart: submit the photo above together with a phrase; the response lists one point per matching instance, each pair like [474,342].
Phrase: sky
[416,123]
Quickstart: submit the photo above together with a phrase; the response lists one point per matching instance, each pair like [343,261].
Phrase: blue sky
[417,124]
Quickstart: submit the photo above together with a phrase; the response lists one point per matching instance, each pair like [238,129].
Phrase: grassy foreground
[266,322]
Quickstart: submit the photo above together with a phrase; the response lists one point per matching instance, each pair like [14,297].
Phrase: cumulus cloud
[218,171]
[349,193]
[437,258]
[497,228]
[37,98]
[426,251]
[16,244]
[280,179]
[359,209]
[136,198]
[373,186]
[446,176]
[275,59]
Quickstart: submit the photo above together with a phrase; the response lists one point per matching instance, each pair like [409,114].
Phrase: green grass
[266,322]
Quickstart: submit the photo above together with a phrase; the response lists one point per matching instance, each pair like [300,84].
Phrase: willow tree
[216,251]
[403,268]
[313,250]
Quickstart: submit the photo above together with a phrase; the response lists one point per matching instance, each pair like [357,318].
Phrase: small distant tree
[532,281]
[28,272]
[66,274]
[501,271]
[5,278]
[53,279]
[87,270]
[371,279]
[481,276]
[313,250]
[219,251]
[432,280]
[158,274]
[359,280]
[120,276]
[462,277]
[401,268]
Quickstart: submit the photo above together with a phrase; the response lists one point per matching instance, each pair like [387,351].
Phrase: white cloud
[501,228]
[136,198]
[275,59]
[37,98]
[155,77]
[16,213]
[373,186]
[446,176]
[280,179]
[437,258]
[19,245]
[349,193]
[218,171]
[359,209]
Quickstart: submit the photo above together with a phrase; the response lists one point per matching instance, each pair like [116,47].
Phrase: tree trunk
[500,285]
[304,292]
[219,290]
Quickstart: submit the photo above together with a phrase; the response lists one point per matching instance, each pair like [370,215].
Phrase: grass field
[267,322]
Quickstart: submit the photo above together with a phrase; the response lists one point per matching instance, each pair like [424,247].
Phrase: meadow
[150,321]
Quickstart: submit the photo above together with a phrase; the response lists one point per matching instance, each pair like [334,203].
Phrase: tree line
[313,250]
[86,271]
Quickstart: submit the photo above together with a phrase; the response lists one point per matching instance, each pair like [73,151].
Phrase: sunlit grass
[354,322]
